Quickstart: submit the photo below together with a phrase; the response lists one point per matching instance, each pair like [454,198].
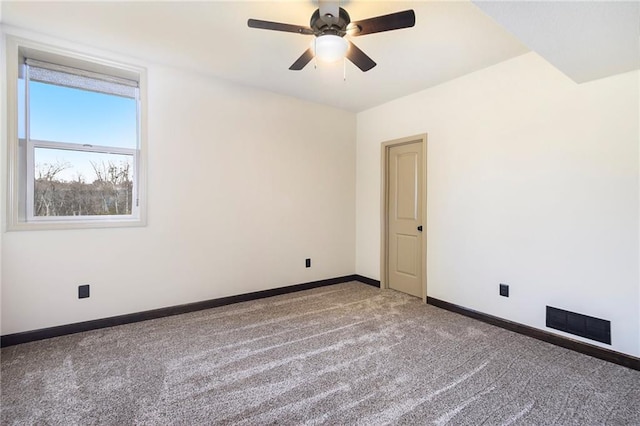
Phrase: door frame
[384,217]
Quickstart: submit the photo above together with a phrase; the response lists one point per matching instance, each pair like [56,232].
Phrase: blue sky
[62,114]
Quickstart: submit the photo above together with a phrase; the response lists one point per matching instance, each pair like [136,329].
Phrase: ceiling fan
[329,24]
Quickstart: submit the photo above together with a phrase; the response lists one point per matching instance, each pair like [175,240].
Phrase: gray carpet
[343,354]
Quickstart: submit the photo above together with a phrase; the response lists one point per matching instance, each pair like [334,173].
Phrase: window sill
[51,225]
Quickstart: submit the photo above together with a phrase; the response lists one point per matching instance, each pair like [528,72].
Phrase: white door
[404,215]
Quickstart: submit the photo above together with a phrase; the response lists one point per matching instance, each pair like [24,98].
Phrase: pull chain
[344,69]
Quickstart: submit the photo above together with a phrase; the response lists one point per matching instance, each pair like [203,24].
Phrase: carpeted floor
[343,354]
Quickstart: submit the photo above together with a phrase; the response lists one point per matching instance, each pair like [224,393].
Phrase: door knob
[420,228]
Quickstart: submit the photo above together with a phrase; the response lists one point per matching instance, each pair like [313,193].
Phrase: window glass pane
[21,108]
[78,183]
[64,114]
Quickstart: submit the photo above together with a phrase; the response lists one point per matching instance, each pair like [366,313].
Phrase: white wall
[243,186]
[532,181]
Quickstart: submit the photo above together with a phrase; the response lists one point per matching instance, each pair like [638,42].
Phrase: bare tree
[46,185]
[109,193]
[114,185]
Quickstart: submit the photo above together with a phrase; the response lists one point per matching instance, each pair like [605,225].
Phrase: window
[77,158]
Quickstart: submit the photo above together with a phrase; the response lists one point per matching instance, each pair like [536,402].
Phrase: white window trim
[14,196]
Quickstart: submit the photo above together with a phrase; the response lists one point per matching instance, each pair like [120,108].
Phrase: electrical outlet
[83,291]
[307,263]
[504,290]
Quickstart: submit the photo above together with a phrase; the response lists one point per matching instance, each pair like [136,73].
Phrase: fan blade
[277,26]
[394,21]
[302,60]
[359,58]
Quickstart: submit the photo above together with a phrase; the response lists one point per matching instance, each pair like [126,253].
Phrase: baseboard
[585,348]
[46,333]
[565,342]
[366,280]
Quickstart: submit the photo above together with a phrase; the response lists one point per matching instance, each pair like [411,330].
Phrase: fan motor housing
[328,24]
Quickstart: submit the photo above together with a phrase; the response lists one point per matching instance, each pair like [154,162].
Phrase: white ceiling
[450,39]
[586,40]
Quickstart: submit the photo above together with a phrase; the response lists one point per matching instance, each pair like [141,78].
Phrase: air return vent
[581,325]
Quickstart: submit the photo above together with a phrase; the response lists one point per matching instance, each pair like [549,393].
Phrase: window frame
[20,152]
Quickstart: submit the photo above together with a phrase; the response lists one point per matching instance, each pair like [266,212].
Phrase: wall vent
[581,325]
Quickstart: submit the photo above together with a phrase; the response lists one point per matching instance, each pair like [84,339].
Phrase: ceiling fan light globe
[329,47]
